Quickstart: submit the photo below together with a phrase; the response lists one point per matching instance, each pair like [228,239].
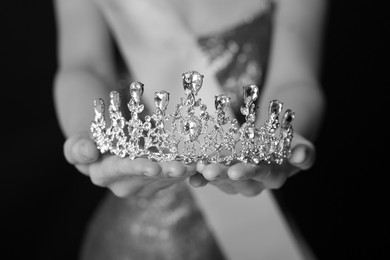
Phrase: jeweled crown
[191,133]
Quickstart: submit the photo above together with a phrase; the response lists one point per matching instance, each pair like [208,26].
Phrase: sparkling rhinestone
[192,129]
[251,92]
[136,91]
[140,108]
[222,102]
[115,99]
[288,117]
[250,132]
[161,100]
[99,106]
[251,118]
[132,105]
[134,128]
[275,107]
[190,101]
[187,160]
[244,111]
[192,82]
[147,126]
[159,124]
[256,160]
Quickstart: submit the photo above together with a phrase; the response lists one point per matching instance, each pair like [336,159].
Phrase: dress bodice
[239,55]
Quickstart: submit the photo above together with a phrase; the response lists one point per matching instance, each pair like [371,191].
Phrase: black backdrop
[340,204]
[45,203]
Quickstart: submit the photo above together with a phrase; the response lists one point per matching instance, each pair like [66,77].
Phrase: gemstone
[190,101]
[161,99]
[99,106]
[251,92]
[244,111]
[222,102]
[115,99]
[275,107]
[136,91]
[191,129]
[147,126]
[132,105]
[256,160]
[288,117]
[250,132]
[192,82]
[251,118]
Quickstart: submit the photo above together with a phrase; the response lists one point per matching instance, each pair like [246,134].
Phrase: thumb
[303,152]
[80,149]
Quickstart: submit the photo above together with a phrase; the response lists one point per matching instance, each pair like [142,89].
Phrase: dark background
[340,204]
[45,203]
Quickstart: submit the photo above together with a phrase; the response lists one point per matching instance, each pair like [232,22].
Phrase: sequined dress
[171,225]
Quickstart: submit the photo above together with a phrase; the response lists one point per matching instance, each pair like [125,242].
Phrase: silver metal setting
[191,133]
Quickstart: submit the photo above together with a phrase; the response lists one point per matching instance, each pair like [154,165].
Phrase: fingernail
[299,154]
[150,173]
[235,176]
[174,174]
[213,176]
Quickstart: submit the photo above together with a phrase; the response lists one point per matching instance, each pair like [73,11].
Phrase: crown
[191,133]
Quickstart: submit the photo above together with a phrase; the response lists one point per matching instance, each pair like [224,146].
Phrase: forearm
[85,61]
[295,64]
[74,92]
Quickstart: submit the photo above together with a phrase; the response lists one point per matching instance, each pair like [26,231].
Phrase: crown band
[191,133]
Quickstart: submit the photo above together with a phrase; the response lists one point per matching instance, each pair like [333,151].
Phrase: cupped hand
[124,177]
[248,179]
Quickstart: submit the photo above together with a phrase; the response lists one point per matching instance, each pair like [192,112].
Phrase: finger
[215,171]
[225,185]
[127,186]
[177,169]
[273,176]
[200,166]
[190,169]
[80,149]
[197,180]
[83,168]
[113,168]
[249,188]
[247,171]
[303,152]
[303,156]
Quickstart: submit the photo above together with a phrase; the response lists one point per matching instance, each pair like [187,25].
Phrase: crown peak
[191,133]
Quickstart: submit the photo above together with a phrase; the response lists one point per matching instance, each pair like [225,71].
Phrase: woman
[275,44]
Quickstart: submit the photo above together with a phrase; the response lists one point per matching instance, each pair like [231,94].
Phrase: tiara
[191,134]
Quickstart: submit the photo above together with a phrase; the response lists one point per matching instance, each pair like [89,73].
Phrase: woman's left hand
[249,179]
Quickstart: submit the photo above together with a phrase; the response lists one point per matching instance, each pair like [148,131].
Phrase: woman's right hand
[123,176]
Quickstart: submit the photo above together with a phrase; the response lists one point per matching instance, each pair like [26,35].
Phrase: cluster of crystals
[190,133]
